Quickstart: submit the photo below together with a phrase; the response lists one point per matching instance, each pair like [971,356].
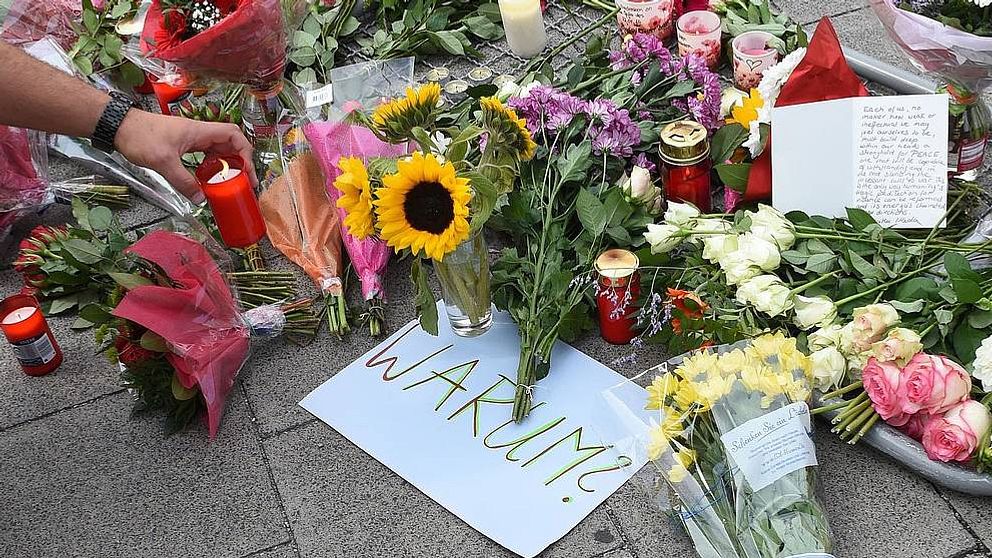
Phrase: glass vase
[464,277]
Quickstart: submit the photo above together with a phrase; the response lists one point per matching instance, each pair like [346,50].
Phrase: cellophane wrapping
[729,431]
[28,21]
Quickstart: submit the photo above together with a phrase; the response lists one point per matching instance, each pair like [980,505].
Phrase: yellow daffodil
[746,111]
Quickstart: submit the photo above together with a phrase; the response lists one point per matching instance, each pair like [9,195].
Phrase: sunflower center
[429,207]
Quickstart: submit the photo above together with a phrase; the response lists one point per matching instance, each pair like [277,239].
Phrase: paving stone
[862,31]
[804,11]
[82,376]
[976,512]
[281,551]
[647,529]
[866,495]
[92,481]
[341,502]
[621,553]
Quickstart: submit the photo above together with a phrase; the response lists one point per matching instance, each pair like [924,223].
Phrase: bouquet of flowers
[23,174]
[240,41]
[434,204]
[730,431]
[953,39]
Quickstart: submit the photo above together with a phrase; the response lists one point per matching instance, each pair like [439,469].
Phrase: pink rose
[881,382]
[954,437]
[933,384]
[916,425]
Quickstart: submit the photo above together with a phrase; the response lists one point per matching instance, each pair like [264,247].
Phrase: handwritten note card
[436,410]
[886,155]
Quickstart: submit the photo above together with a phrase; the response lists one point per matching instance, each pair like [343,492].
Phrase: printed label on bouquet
[436,410]
[35,351]
[320,97]
[772,446]
[885,155]
[970,153]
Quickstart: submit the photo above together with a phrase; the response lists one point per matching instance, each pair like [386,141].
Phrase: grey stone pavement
[80,477]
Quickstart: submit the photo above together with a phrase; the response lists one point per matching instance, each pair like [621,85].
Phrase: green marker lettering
[465,369]
[476,402]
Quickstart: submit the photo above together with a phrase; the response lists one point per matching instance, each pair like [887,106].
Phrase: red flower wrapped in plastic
[241,41]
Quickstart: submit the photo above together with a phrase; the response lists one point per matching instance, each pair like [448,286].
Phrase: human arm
[38,96]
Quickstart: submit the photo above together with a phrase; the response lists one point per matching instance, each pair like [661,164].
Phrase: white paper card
[773,445]
[436,410]
[320,97]
[886,155]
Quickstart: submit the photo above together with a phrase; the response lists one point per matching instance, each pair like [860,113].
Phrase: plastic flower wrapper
[178,306]
[33,20]
[240,41]
[23,174]
[729,430]
[356,87]
[303,224]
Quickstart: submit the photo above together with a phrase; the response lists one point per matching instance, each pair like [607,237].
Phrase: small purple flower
[641,160]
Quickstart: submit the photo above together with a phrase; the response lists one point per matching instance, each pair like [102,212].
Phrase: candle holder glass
[699,33]
[752,56]
[465,281]
[224,181]
[654,17]
[27,331]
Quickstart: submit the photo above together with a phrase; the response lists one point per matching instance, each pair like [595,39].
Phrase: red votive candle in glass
[685,154]
[28,333]
[231,197]
[169,97]
[617,291]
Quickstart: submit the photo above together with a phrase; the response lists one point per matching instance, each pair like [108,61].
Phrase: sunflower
[356,197]
[746,110]
[424,207]
[397,118]
[507,128]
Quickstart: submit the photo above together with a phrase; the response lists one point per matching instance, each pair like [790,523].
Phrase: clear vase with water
[465,280]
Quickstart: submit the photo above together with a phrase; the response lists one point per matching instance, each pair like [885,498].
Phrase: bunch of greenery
[314,47]
[100,47]
[408,27]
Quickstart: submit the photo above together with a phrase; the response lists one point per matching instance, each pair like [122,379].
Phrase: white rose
[663,238]
[711,225]
[770,224]
[767,293]
[982,368]
[638,186]
[828,336]
[737,268]
[655,207]
[760,252]
[680,213]
[729,98]
[829,368]
[716,247]
[817,311]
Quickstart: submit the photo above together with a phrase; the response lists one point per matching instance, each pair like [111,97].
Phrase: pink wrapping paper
[200,319]
[331,141]
[934,47]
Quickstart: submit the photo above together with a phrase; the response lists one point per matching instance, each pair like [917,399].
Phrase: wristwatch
[111,120]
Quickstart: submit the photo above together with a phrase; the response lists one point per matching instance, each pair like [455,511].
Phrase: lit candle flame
[224,168]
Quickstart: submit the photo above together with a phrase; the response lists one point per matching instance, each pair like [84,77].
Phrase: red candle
[232,199]
[28,333]
[170,98]
[619,286]
[685,152]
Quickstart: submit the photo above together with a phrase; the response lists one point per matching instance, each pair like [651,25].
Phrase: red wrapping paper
[200,319]
[247,46]
[823,75]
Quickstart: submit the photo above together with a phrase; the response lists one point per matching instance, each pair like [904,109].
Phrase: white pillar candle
[224,175]
[524,26]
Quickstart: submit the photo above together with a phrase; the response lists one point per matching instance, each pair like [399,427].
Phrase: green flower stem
[860,419]
[850,409]
[802,288]
[538,62]
[864,428]
[844,390]
[828,408]
[847,416]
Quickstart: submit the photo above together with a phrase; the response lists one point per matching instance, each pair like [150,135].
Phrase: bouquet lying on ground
[842,286]
[23,174]
[730,431]
[428,204]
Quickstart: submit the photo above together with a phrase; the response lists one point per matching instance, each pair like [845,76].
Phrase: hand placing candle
[523,22]
[25,328]
[232,199]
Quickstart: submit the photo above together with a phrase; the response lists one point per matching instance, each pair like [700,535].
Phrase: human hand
[157,141]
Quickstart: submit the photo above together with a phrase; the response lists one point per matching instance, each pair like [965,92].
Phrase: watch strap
[110,121]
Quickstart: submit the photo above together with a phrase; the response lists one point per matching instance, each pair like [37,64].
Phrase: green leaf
[980,319]
[734,175]
[305,56]
[151,341]
[917,288]
[91,21]
[120,10]
[966,341]
[424,297]
[590,211]
[81,324]
[573,166]
[302,39]
[81,212]
[84,251]
[305,77]
[859,218]
[64,303]
[450,41]
[131,74]
[958,266]
[95,313]
[350,26]
[967,290]
[130,280]
[821,263]
[943,316]
[100,218]
[483,27]
[725,141]
[907,307]
[864,267]
[484,196]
